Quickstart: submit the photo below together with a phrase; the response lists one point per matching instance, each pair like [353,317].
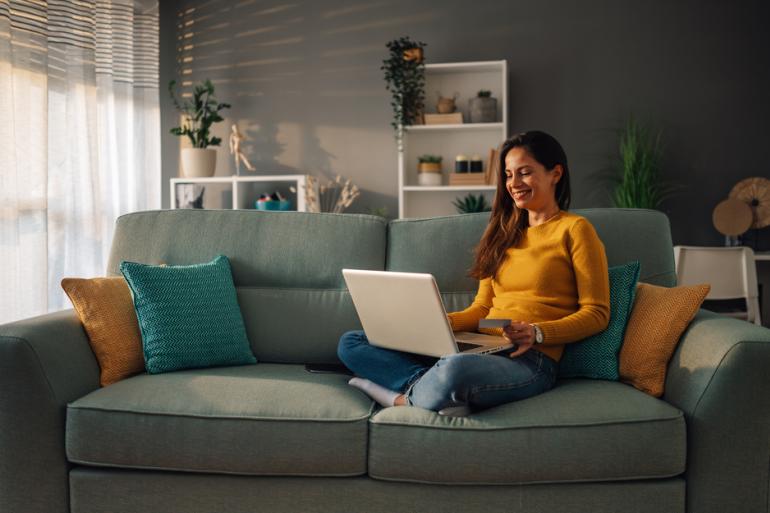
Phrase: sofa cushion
[188,315]
[582,430]
[286,267]
[597,356]
[457,236]
[106,310]
[659,318]
[266,419]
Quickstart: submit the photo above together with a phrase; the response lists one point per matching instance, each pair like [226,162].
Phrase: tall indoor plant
[405,79]
[199,114]
[638,174]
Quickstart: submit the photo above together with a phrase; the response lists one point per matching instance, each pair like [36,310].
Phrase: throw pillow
[597,356]
[188,315]
[106,311]
[658,320]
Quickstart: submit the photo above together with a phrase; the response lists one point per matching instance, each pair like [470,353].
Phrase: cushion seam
[524,483]
[209,471]
[220,417]
[372,218]
[541,426]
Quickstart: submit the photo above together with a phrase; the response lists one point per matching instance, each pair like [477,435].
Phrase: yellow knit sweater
[556,278]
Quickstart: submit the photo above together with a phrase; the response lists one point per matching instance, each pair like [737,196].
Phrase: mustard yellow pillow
[659,317]
[106,310]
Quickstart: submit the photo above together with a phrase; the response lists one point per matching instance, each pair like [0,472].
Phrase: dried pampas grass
[333,196]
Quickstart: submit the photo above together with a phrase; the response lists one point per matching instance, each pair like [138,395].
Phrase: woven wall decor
[756,193]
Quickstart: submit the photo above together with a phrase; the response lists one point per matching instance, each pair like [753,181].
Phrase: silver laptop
[404,311]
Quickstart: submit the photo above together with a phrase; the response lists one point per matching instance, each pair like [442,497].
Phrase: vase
[483,109]
[199,162]
[431,179]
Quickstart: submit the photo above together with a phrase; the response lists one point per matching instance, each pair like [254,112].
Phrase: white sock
[380,394]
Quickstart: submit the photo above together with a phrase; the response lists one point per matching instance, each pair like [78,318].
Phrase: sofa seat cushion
[263,419]
[581,430]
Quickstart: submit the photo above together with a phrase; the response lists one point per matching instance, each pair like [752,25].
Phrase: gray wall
[305,83]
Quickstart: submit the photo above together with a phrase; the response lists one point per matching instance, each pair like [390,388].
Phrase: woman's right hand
[521,335]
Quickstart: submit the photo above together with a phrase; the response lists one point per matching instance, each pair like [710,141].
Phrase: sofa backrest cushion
[285,265]
[444,246]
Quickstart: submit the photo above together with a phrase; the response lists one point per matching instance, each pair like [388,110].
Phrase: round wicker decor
[755,192]
[732,217]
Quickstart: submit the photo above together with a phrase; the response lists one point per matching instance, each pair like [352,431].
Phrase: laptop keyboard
[465,346]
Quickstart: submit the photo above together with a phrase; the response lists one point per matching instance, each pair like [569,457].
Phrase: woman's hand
[521,334]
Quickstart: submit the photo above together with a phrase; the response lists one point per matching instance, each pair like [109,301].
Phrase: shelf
[447,188]
[465,67]
[233,178]
[463,81]
[238,196]
[458,127]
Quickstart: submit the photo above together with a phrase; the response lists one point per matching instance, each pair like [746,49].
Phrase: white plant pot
[429,178]
[198,162]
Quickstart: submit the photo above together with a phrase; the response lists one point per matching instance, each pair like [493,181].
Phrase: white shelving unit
[240,197]
[464,79]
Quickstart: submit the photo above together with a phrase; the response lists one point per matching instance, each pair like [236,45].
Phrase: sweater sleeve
[468,319]
[593,287]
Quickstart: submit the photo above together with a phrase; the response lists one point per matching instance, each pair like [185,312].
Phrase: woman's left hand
[520,333]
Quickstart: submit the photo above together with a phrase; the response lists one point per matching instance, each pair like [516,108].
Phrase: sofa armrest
[45,362]
[719,377]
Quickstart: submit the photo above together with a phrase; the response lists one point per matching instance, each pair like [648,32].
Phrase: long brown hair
[508,222]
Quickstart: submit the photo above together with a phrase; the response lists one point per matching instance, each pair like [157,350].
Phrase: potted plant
[471,203]
[638,174]
[429,170]
[405,79]
[199,112]
[483,108]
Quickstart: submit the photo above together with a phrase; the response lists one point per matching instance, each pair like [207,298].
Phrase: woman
[538,265]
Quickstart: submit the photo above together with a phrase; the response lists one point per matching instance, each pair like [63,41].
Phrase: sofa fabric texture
[597,356]
[268,419]
[170,492]
[291,260]
[571,433]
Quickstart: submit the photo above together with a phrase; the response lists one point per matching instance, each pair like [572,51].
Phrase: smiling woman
[539,267]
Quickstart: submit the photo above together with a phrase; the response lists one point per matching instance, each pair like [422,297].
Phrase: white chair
[731,272]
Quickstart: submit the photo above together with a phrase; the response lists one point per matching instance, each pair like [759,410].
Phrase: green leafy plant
[200,113]
[471,203]
[638,174]
[405,79]
[377,211]
[484,93]
[432,159]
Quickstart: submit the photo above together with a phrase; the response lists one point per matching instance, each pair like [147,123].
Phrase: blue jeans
[476,380]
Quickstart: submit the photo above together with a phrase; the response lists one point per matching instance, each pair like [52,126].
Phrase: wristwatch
[538,334]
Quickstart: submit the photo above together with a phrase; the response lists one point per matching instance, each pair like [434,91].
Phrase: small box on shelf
[467,179]
[455,118]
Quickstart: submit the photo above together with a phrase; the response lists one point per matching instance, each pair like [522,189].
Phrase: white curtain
[79,139]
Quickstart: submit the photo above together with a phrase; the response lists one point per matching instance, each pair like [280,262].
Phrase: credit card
[494,323]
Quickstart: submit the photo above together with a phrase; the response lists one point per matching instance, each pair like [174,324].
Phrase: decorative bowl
[273,205]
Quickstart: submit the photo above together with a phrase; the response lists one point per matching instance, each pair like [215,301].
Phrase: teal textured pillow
[597,356]
[188,315]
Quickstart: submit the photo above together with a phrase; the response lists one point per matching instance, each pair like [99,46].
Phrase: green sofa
[273,437]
